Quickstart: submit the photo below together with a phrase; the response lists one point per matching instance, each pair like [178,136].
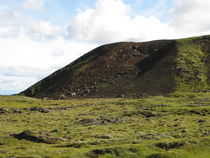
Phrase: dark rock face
[125,69]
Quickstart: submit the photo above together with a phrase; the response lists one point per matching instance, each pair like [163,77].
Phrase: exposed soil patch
[74,145]
[158,155]
[145,114]
[36,137]
[202,112]
[97,152]
[101,121]
[170,145]
[199,105]
[16,111]
[4,110]
[38,109]
[42,110]
[86,121]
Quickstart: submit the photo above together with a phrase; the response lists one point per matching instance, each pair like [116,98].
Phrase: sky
[37,37]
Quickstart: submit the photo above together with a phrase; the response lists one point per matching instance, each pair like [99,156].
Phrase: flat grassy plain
[172,126]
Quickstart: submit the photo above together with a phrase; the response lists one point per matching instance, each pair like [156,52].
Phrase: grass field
[172,126]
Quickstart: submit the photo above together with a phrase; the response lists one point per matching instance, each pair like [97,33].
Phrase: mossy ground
[172,126]
[191,69]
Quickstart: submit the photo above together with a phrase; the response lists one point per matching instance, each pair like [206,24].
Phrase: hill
[129,69]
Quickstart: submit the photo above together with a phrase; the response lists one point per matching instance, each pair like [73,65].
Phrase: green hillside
[122,100]
[131,69]
[192,64]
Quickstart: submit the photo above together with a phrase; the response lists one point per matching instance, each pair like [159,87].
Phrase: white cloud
[14,84]
[27,52]
[191,17]
[8,18]
[21,71]
[58,52]
[39,30]
[110,21]
[9,23]
[8,32]
[33,4]
[14,79]
[25,61]
[14,23]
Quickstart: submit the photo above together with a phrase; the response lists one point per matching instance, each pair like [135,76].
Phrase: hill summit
[129,69]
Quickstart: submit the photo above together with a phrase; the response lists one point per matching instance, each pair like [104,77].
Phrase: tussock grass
[174,126]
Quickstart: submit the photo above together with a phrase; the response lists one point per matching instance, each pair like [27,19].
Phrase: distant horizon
[39,37]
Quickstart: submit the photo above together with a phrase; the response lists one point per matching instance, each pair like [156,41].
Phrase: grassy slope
[113,127]
[128,69]
[191,69]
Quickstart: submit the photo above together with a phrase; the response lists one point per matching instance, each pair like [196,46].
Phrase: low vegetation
[171,126]
[175,123]
[191,70]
